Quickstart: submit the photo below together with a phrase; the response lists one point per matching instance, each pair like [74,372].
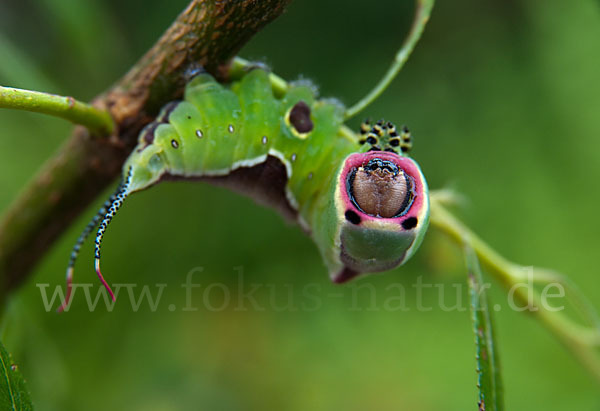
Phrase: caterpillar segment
[359,196]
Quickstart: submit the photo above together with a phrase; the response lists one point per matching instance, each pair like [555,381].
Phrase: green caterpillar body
[359,196]
[216,130]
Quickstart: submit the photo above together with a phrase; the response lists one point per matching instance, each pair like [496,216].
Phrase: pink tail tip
[67,300]
[104,283]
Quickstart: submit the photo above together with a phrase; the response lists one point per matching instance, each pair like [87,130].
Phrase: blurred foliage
[503,100]
[13,390]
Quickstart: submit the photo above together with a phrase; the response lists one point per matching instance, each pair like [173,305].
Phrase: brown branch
[207,34]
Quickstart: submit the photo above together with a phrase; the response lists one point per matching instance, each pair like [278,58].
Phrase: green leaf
[13,392]
[489,381]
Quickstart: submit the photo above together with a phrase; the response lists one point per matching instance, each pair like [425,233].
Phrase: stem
[98,121]
[581,341]
[422,14]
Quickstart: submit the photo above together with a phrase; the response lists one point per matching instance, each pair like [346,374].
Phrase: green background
[503,98]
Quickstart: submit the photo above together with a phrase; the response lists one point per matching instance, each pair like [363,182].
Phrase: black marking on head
[365,126]
[410,223]
[352,217]
[300,118]
[174,143]
[384,136]
[378,129]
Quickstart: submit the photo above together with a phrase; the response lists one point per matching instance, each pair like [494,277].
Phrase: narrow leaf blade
[489,381]
[13,391]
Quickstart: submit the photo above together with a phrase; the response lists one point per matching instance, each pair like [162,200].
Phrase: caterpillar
[360,197]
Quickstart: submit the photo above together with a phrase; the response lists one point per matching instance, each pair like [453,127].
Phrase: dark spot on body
[371,140]
[300,118]
[174,143]
[352,217]
[199,133]
[166,111]
[410,223]
[149,133]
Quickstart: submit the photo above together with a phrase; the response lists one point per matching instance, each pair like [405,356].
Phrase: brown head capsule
[380,189]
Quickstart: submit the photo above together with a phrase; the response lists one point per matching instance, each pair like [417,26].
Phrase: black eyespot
[394,142]
[371,140]
[300,118]
[352,217]
[410,223]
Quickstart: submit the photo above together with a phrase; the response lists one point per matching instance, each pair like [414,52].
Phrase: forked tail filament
[105,213]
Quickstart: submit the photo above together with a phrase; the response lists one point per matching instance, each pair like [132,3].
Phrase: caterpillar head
[382,205]
[146,163]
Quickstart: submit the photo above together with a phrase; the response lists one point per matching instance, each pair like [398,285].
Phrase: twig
[97,121]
